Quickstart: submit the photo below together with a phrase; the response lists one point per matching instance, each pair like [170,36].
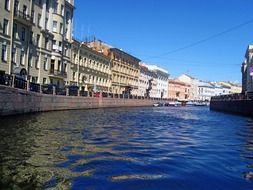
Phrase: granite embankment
[235,106]
[19,101]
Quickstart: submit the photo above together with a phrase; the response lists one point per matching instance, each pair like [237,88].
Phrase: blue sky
[150,29]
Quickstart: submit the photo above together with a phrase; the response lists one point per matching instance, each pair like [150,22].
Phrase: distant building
[125,67]
[178,90]
[161,81]
[234,88]
[205,91]
[89,69]
[220,90]
[147,85]
[193,82]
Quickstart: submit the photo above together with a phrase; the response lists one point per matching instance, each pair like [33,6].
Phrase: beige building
[35,39]
[89,69]
[125,67]
[193,85]
[233,88]
[178,90]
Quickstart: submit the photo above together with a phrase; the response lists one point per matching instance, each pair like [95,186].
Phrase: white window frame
[54,26]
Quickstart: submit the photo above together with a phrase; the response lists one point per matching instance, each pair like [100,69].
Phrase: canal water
[175,148]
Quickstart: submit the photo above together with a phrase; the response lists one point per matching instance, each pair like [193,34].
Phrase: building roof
[125,53]
[154,68]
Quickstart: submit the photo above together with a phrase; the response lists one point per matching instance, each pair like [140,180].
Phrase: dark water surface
[128,148]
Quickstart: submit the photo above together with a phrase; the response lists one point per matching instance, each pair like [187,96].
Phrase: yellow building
[125,68]
[89,69]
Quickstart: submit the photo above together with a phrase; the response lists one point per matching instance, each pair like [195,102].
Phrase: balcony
[57,74]
[23,18]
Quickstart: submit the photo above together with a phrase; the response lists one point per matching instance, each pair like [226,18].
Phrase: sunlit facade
[35,39]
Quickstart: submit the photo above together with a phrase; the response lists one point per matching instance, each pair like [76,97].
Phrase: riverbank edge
[15,101]
[238,107]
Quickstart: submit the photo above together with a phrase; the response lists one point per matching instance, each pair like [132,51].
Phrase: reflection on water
[134,148]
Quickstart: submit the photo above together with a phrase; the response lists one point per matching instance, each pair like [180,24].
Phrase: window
[46,43]
[7,5]
[38,40]
[47,5]
[5,27]
[24,11]
[67,17]
[38,21]
[4,53]
[30,61]
[37,63]
[55,7]
[65,67]
[32,17]
[44,80]
[46,23]
[22,58]
[61,28]
[15,30]
[13,55]
[45,63]
[59,66]
[23,34]
[54,26]
[31,37]
[34,79]
[74,76]
[60,46]
[62,10]
[54,44]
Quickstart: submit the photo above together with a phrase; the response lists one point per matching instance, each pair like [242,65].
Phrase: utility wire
[203,40]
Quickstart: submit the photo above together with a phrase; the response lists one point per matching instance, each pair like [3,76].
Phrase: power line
[203,40]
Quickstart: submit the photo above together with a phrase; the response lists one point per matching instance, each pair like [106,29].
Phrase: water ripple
[127,148]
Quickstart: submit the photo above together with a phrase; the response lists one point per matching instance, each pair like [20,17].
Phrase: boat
[156,104]
[200,104]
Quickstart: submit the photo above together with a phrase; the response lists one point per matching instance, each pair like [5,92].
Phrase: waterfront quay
[145,148]
[240,104]
[18,96]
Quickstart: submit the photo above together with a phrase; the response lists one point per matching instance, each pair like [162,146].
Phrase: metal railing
[20,83]
[231,97]
[22,15]
[58,73]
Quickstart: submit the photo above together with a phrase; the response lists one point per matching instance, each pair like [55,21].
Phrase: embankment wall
[240,107]
[17,101]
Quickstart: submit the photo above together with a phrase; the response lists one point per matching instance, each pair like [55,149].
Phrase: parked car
[73,90]
[96,94]
[48,88]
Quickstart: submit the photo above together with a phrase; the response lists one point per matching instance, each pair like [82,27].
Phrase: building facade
[90,70]
[125,68]
[205,91]
[178,90]
[35,39]
[247,71]
[161,81]
[147,85]
[193,82]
